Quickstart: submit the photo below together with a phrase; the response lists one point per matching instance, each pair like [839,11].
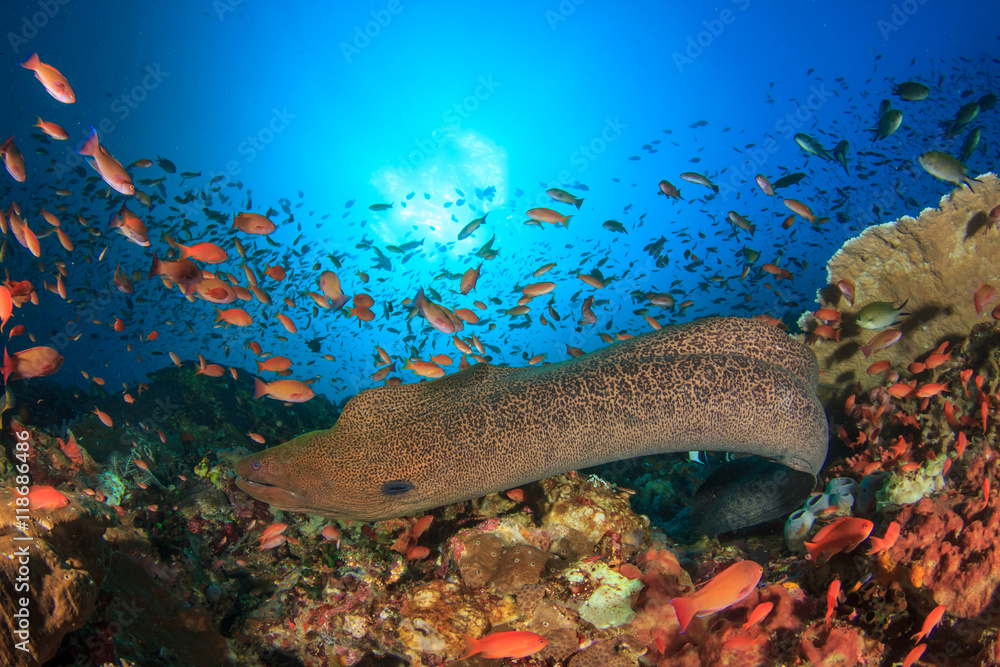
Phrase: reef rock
[65,566]
[936,260]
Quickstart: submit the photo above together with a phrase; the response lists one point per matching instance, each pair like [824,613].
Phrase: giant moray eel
[720,384]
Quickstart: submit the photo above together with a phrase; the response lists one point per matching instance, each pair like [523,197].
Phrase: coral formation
[936,261]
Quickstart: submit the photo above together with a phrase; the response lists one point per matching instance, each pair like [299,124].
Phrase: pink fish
[984,294]
[881,341]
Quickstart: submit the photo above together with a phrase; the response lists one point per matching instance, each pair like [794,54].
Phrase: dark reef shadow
[979,221]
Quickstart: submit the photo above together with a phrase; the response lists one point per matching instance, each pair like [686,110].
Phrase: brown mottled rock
[65,567]
[604,654]
[478,563]
[519,566]
[936,260]
[596,511]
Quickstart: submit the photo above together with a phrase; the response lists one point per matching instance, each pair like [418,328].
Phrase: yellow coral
[917,575]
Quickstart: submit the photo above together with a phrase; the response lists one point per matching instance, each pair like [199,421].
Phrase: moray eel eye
[256,465]
[396,487]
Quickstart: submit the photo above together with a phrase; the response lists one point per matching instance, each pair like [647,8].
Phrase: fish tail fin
[565,221]
[685,610]
[32,62]
[679,195]
[814,550]
[866,350]
[471,646]
[578,201]
[260,366]
[7,144]
[91,145]
[8,365]
[753,228]
[156,268]
[218,316]
[259,388]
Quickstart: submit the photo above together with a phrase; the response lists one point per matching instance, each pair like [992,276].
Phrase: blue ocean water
[449,111]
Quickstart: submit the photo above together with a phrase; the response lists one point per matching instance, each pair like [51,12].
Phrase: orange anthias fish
[31,363]
[207,252]
[291,391]
[130,226]
[505,645]
[55,83]
[253,223]
[46,498]
[469,279]
[930,622]
[549,216]
[887,541]
[52,129]
[844,534]
[110,169]
[13,160]
[724,590]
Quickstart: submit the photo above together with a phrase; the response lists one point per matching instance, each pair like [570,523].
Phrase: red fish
[55,83]
[46,498]
[758,614]
[844,534]
[832,597]
[887,541]
[505,645]
[724,590]
[6,306]
[930,623]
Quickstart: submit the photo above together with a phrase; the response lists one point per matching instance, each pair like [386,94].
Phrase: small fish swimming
[946,168]
[880,314]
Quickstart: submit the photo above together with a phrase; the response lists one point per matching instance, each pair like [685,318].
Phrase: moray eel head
[312,474]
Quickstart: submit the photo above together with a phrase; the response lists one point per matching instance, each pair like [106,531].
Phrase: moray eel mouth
[252,478]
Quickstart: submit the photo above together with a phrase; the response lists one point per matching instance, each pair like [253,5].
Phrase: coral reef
[936,261]
[64,565]
[174,570]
